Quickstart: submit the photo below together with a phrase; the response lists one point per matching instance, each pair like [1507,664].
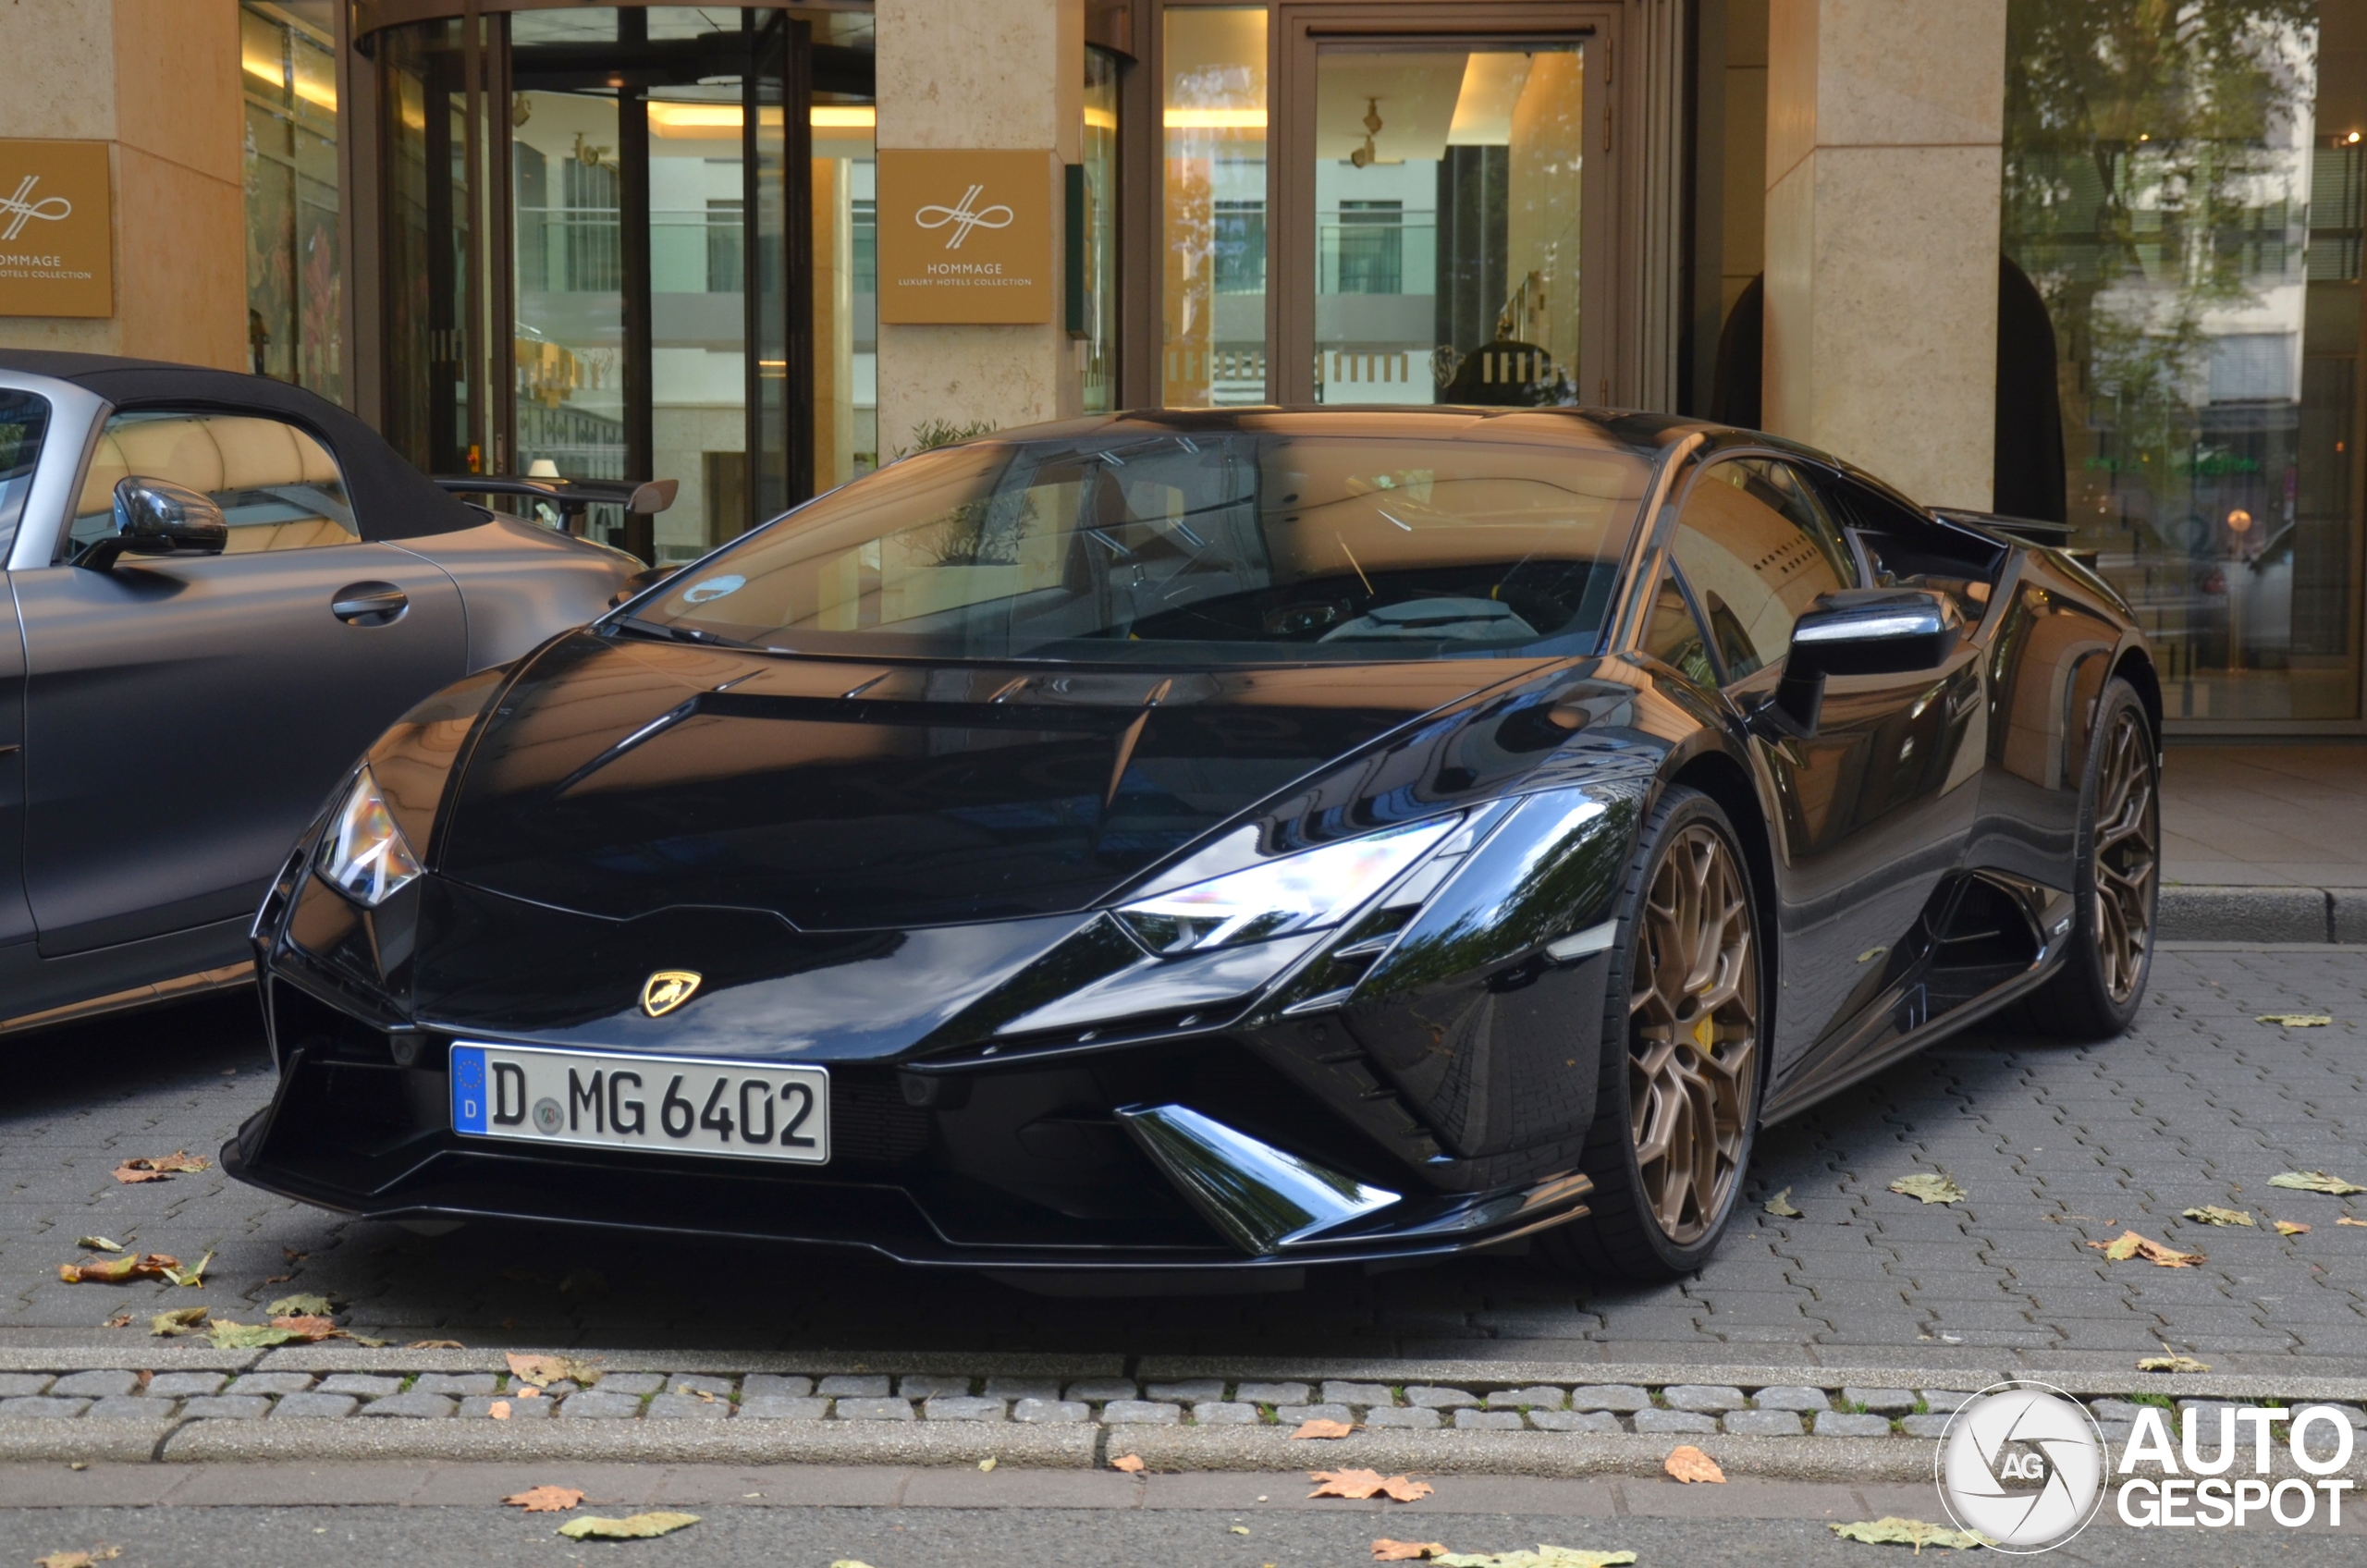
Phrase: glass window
[1673,636]
[23,420]
[1758,553]
[2183,192]
[287,56]
[278,488]
[1214,284]
[1100,143]
[1134,546]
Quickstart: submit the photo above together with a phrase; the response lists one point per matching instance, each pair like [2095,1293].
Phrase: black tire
[2116,881]
[1641,1227]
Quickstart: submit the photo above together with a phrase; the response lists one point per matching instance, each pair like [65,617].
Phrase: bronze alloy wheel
[1693,1034]
[2127,823]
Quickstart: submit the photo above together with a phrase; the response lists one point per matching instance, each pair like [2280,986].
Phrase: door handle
[369,604]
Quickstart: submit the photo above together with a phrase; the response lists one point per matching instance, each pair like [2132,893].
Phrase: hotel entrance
[627,242]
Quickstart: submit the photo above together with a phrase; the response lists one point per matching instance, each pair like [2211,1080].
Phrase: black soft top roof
[391,499]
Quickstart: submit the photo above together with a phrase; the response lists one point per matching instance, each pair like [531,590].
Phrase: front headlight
[1292,893]
[364,855]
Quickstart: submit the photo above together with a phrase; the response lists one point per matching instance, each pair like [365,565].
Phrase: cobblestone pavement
[2057,1145]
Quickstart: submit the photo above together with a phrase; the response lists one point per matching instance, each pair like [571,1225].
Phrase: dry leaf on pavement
[1892,1530]
[2316,1181]
[544,1370]
[988,1463]
[193,1275]
[1128,1463]
[2212,1214]
[1929,1185]
[120,1320]
[1779,1205]
[544,1500]
[2290,1228]
[2346,1219]
[1688,1463]
[97,1244]
[436,1345]
[312,1330]
[162,1169]
[2128,1245]
[187,1320]
[2296,1020]
[1360,1484]
[227,1335]
[1387,1551]
[306,1304]
[116,1270]
[1320,1427]
[2172,1361]
[1543,1557]
[498,1410]
[848,1562]
[100,1553]
[633,1527]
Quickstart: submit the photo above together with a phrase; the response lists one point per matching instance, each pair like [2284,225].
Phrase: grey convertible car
[219,589]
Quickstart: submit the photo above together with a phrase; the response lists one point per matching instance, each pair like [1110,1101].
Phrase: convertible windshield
[1225,547]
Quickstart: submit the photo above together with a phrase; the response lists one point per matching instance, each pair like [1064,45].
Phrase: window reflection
[1213,348]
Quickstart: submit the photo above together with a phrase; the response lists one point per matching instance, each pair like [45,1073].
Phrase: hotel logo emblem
[962,218]
[20,208]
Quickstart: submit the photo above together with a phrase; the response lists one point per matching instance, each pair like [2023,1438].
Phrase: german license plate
[741,1110]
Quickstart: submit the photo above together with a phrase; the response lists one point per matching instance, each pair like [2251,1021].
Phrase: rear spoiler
[573,498]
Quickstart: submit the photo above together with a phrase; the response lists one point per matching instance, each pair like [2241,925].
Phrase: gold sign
[667,989]
[965,235]
[56,229]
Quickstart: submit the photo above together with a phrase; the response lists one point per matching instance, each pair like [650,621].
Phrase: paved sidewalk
[2059,1146]
[2254,815]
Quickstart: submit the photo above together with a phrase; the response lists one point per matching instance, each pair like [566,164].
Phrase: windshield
[1226,547]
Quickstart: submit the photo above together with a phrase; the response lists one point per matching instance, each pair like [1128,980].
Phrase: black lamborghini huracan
[1233,840]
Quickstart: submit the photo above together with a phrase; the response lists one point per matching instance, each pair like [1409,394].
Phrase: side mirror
[646,578]
[155,517]
[654,497]
[1864,632]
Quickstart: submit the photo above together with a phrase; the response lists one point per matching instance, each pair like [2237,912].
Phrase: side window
[1674,637]
[23,420]
[1758,552]
[1908,550]
[278,488]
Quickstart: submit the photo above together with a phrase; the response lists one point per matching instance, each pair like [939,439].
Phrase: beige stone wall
[986,74]
[159,80]
[1885,119]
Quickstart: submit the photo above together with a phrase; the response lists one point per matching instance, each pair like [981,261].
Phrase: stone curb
[336,1357]
[1567,1455]
[2196,913]
[784,1442]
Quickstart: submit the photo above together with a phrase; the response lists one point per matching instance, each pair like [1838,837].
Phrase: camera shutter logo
[20,209]
[962,218]
[2022,1464]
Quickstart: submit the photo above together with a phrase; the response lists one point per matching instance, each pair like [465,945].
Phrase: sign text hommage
[965,235]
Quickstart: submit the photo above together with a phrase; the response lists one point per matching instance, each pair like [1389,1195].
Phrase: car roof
[391,499]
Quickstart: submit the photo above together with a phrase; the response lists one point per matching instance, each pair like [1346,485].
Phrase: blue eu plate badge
[467,1089]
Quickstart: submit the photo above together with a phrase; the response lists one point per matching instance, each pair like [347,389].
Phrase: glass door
[1443,197]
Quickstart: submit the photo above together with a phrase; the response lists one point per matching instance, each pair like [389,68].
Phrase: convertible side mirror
[654,497]
[646,578]
[1864,632]
[156,517]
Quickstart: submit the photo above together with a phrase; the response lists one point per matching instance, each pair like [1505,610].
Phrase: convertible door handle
[369,604]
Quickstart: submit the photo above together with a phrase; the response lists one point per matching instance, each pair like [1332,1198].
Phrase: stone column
[986,74]
[158,81]
[1884,120]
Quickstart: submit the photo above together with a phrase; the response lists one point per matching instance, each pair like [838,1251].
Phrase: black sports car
[1239,840]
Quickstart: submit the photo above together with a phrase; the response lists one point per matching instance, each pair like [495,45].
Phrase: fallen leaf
[436,1345]
[116,1270]
[1387,1551]
[193,1277]
[2128,1245]
[1894,1531]
[98,1243]
[158,1170]
[2316,1181]
[1929,1185]
[544,1370]
[1320,1427]
[1688,1463]
[1128,1463]
[1240,1529]
[638,1526]
[2212,1214]
[530,1391]
[120,1320]
[1543,1557]
[544,1500]
[986,1463]
[100,1553]
[2172,1361]
[848,1562]
[2289,1228]
[312,1330]
[498,1410]
[2346,1219]
[2296,1020]
[247,1336]
[694,1393]
[186,1320]
[1779,1205]
[307,1304]
[1362,1484]
[367,1339]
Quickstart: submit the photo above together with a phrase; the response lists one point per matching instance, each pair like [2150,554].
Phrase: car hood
[619,775]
